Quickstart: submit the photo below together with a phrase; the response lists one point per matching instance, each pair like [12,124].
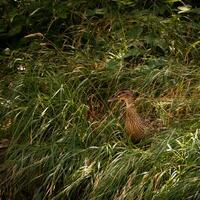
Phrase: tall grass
[57,152]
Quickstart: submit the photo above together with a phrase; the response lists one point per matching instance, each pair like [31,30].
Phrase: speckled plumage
[135,126]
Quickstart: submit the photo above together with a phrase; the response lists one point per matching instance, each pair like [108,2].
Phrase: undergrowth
[59,150]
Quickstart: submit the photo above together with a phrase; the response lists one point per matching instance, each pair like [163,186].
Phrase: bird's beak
[112,99]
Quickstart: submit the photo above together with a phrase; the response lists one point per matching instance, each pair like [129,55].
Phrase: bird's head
[123,95]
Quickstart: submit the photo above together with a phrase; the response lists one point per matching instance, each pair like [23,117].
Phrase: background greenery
[60,60]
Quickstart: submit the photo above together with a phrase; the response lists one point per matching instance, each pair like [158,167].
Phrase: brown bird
[135,126]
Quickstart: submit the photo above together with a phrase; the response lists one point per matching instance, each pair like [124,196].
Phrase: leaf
[173,1]
[135,32]
[101,11]
[17,24]
[195,43]
[184,9]
[97,11]
[151,38]
[34,35]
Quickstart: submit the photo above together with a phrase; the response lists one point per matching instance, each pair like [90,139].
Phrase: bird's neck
[131,111]
[129,103]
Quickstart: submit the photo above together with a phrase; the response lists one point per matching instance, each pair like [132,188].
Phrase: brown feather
[135,126]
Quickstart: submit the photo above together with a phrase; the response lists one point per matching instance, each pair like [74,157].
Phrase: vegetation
[59,137]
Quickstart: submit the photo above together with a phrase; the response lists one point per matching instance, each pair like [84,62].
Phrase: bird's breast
[134,125]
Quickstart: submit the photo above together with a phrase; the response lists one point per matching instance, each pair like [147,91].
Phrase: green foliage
[92,50]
